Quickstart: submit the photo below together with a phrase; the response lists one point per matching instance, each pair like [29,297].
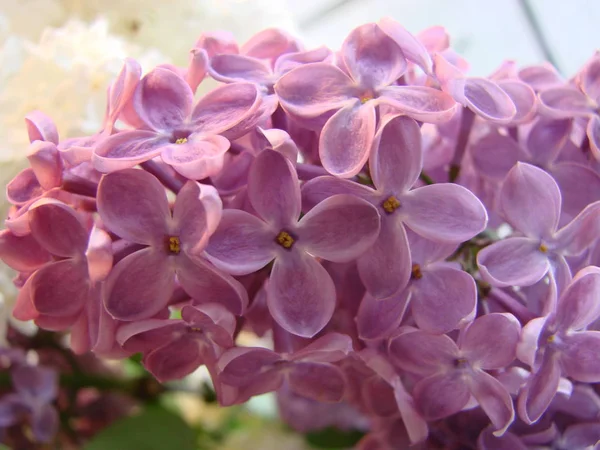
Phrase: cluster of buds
[420,244]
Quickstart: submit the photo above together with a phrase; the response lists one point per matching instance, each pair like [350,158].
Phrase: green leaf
[333,438]
[153,429]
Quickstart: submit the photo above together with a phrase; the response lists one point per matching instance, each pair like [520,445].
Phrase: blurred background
[58,56]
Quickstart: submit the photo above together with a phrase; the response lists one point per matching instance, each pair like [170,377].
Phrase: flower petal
[22,253]
[516,261]
[346,139]
[163,100]
[508,441]
[564,102]
[411,47]
[140,285]
[242,364]
[530,199]
[314,89]
[215,321]
[127,149]
[441,395]
[45,423]
[242,243]
[24,187]
[581,435]
[45,161]
[317,381]
[175,360]
[443,212]
[377,318]
[442,299]
[578,305]
[397,157]
[40,127]
[420,102]
[373,59]
[230,68]
[133,204]
[330,347]
[580,359]
[539,391]
[61,288]
[579,186]
[190,218]
[202,156]
[494,155]
[318,189]
[422,353]
[485,98]
[339,228]
[301,295]
[593,134]
[384,267]
[274,189]
[494,399]
[121,90]
[546,139]
[523,97]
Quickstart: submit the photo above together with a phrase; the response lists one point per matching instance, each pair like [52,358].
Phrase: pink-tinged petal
[523,97]
[385,267]
[397,157]
[579,186]
[339,228]
[539,390]
[60,288]
[290,61]
[329,348]
[214,320]
[40,127]
[514,261]
[225,107]
[540,77]
[320,382]
[121,90]
[163,100]
[45,423]
[593,134]
[578,306]
[416,426]
[149,334]
[197,68]
[441,395]
[546,139]
[217,42]
[373,59]
[234,175]
[588,79]
[490,342]
[318,189]
[494,155]
[201,156]
[444,212]
[23,188]
[528,343]
[346,139]
[57,228]
[190,219]
[580,356]
[24,309]
[578,235]
[274,189]
[485,98]
[301,295]
[420,102]
[213,204]
[422,353]
[564,102]
[230,68]
[140,285]
[175,360]
[378,397]
[56,323]
[127,149]
[242,243]
[99,255]
[494,399]
[241,364]
[206,284]
[46,163]
[22,253]
[133,204]
[269,44]
[314,89]
[530,200]
[442,299]
[411,47]
[434,39]
[377,318]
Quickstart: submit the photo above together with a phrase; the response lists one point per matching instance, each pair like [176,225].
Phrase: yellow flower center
[543,248]
[174,245]
[285,239]
[416,273]
[391,204]
[181,141]
[365,98]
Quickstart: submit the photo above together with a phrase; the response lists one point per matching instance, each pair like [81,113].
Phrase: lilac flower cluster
[354,204]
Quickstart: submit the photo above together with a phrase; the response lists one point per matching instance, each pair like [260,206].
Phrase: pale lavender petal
[372,58]
[133,204]
[339,228]
[523,97]
[593,134]
[426,251]
[580,356]
[140,285]
[318,189]
[314,89]
[242,243]
[411,47]
[445,212]
[230,68]
[540,77]
[490,342]
[40,127]
[60,288]
[420,102]
[442,299]
[270,44]
[397,157]
[127,149]
[301,294]
[441,395]
[539,390]
[530,199]
[274,189]
[201,156]
[385,267]
[546,139]
[321,382]
[217,42]
[377,318]
[578,305]
[163,100]
[175,360]
[578,235]
[514,261]
[494,399]
[422,353]
[190,218]
[494,155]
[579,186]
[564,102]
[331,347]
[290,61]
[485,98]
[346,139]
